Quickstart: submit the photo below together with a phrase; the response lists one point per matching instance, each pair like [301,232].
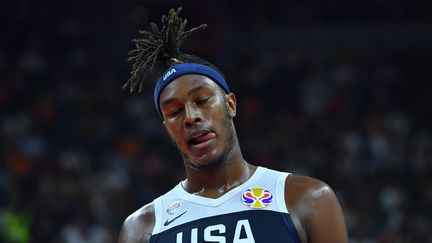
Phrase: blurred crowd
[338,91]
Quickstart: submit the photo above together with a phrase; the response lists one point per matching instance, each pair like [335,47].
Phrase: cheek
[218,108]
[173,131]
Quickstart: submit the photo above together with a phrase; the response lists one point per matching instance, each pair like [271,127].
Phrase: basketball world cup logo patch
[257,197]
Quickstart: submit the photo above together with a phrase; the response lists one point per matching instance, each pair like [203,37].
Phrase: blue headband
[181,69]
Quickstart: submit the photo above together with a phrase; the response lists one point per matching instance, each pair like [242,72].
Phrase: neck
[215,181]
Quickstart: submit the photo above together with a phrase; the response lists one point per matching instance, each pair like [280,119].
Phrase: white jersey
[255,211]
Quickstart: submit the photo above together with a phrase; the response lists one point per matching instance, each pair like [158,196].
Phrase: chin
[206,166]
[210,159]
[206,162]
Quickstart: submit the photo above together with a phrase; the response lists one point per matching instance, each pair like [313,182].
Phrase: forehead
[183,85]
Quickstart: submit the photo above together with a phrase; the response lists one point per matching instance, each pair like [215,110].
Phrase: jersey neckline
[214,202]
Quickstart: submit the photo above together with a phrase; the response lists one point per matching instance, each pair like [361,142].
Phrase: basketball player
[224,198]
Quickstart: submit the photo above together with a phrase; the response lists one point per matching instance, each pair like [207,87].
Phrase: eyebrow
[193,90]
[204,85]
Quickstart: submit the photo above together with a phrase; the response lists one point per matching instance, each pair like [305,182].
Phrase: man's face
[198,117]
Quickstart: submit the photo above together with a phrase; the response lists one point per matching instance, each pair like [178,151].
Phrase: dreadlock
[161,45]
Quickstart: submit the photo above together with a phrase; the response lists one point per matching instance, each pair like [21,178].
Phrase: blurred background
[337,90]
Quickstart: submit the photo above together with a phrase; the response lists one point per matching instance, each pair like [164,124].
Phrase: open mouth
[202,139]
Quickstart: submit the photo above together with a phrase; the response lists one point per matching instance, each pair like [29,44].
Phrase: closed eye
[174,112]
[202,101]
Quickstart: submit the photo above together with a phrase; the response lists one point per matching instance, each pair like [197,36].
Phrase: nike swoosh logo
[167,222]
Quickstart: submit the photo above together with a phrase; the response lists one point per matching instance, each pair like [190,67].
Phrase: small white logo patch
[169,73]
[173,208]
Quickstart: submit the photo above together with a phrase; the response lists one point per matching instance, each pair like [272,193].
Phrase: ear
[231,104]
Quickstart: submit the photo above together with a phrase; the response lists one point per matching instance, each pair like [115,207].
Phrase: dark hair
[162,46]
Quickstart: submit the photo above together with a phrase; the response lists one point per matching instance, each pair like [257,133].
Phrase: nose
[192,115]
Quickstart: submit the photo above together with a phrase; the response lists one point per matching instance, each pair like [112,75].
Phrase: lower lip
[203,144]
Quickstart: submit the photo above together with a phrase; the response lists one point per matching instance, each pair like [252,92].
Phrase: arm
[316,210]
[137,228]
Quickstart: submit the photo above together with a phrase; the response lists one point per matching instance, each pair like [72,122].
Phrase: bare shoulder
[138,226]
[315,205]
[305,189]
